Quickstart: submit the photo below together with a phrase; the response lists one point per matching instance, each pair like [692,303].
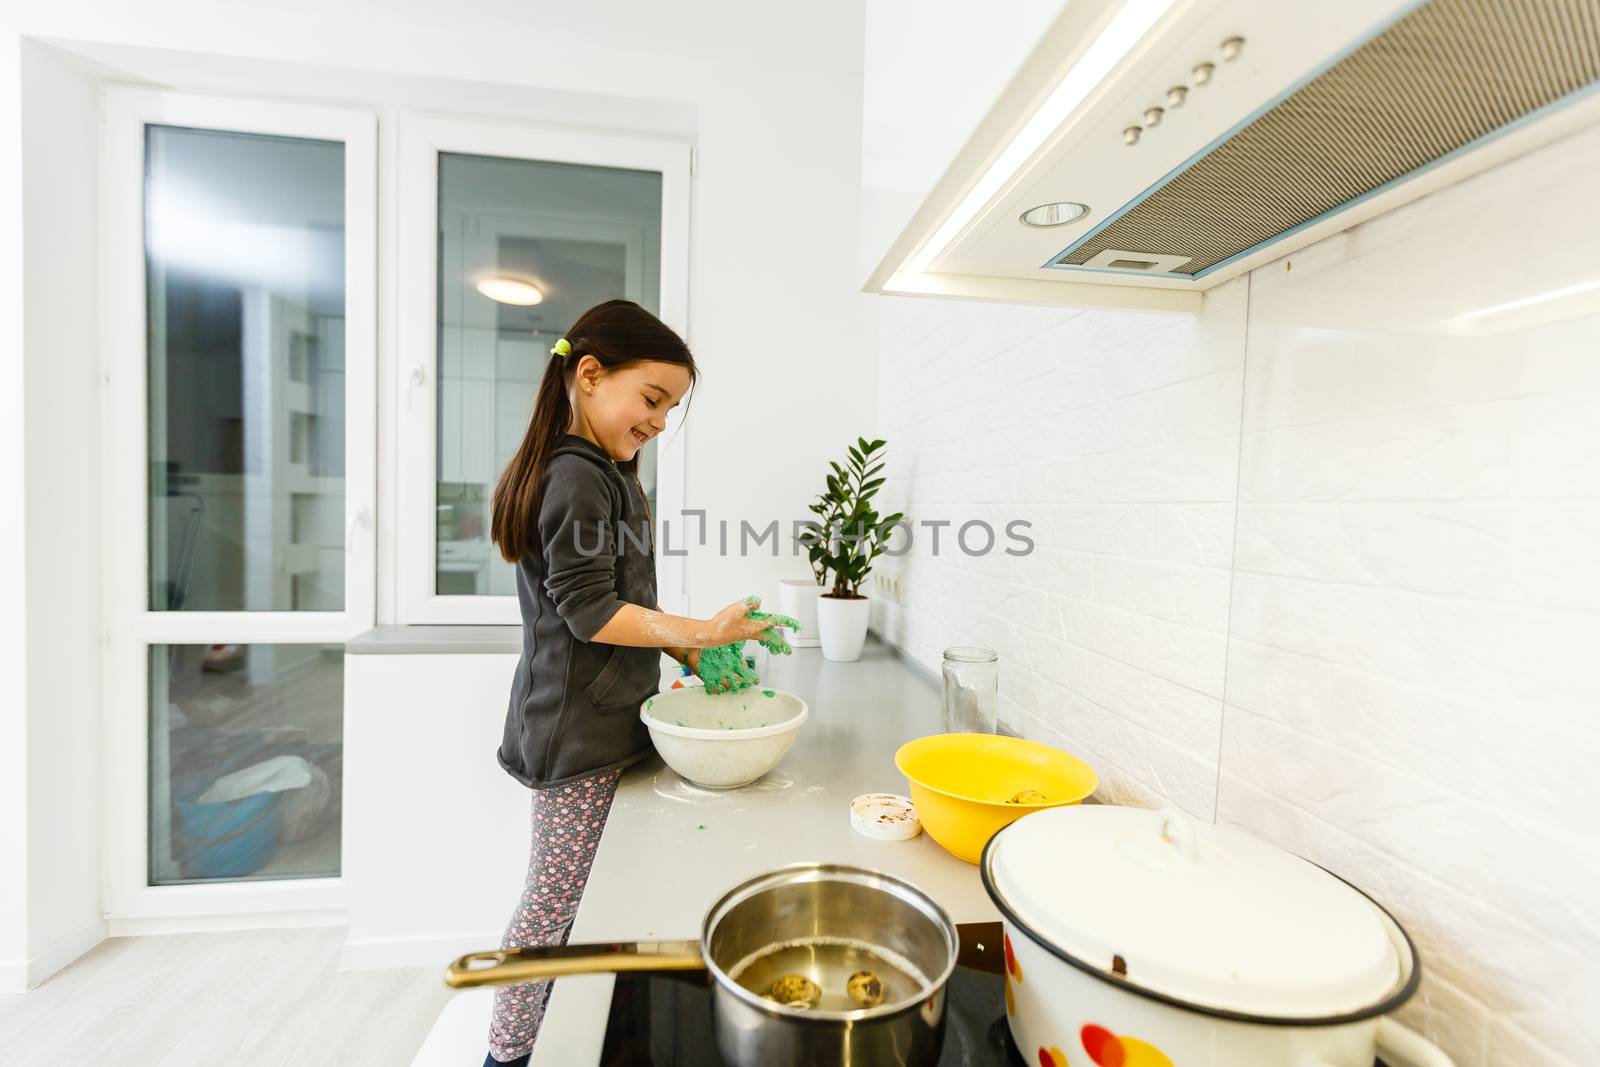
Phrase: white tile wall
[1117,436]
[1416,592]
[1386,660]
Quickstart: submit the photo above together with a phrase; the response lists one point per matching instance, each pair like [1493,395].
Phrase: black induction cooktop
[663,1021]
[660,1020]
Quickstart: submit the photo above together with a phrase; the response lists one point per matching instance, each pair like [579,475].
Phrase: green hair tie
[562,347]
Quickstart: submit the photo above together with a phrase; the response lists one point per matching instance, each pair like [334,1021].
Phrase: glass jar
[971,690]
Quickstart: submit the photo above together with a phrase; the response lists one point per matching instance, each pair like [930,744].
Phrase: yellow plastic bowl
[961,784]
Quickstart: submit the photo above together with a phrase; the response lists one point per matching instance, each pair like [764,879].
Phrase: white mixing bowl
[723,740]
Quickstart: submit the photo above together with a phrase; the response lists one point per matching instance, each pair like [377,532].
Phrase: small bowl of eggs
[967,786]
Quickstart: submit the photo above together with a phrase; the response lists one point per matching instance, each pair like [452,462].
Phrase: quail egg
[795,991]
[865,989]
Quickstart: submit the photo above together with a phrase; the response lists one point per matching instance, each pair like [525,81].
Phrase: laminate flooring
[259,997]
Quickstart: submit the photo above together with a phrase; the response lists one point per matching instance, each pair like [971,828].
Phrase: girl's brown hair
[617,333]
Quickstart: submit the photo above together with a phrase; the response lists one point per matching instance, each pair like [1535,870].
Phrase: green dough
[771,639]
[723,667]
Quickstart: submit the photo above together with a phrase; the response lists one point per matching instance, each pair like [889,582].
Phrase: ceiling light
[510,291]
[1124,30]
[1057,214]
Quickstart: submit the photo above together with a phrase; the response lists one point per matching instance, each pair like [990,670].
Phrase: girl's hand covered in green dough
[740,621]
[771,639]
[735,623]
[723,667]
[724,670]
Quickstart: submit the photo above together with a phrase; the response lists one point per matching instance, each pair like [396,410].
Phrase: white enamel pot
[1137,938]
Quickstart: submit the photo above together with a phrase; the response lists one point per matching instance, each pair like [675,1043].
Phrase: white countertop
[655,874]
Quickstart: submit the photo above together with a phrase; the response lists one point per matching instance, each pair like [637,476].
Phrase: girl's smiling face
[621,409]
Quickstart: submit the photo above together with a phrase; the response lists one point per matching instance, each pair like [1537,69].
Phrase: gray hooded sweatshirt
[575,702]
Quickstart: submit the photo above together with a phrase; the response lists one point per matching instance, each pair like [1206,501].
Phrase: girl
[570,513]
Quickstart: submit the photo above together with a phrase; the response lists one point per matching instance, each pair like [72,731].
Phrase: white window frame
[131,903]
[421,138]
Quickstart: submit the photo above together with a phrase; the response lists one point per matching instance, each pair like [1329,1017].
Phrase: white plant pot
[797,598]
[843,626]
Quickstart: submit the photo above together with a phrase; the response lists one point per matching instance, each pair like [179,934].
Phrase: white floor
[268,997]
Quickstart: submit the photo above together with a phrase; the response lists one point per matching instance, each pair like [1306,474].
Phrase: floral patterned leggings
[567,821]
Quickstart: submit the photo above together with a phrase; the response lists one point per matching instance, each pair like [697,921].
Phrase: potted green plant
[854,535]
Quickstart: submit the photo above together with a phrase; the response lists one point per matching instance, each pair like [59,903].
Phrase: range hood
[1149,150]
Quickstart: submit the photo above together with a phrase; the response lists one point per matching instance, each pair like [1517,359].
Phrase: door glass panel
[244,268]
[246,762]
[568,237]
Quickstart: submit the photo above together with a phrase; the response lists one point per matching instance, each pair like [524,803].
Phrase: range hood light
[1530,301]
[1057,214]
[513,291]
[1126,28]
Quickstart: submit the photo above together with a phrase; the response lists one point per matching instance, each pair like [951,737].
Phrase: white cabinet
[436,834]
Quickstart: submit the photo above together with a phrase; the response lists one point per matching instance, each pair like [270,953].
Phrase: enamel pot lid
[1199,916]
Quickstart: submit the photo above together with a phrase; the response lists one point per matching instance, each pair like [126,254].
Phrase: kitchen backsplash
[1322,562]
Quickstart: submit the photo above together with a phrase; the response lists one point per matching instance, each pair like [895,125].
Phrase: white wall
[770,98]
[1416,591]
[1384,661]
[1116,437]
[55,810]
[13,541]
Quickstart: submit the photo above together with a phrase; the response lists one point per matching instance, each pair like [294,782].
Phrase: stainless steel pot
[823,923]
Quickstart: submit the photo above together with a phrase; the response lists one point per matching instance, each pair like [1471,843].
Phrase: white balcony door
[238,272]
